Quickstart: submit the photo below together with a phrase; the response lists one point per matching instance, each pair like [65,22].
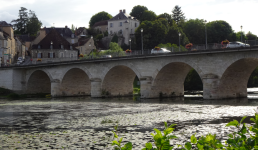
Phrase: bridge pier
[211,86]
[56,88]
[96,87]
[146,84]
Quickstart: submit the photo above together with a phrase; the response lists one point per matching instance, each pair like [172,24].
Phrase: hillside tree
[177,14]
[101,16]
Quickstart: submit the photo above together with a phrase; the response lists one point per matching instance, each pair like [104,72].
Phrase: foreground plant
[117,143]
[161,141]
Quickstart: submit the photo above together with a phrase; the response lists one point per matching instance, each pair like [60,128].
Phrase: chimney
[120,11]
[65,26]
[124,11]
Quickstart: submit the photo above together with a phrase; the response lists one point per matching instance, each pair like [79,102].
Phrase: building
[8,43]
[85,45]
[27,39]
[101,26]
[123,25]
[81,31]
[20,48]
[53,48]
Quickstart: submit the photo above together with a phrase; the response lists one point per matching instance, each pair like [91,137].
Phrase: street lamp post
[205,34]
[142,40]
[179,40]
[130,43]
[241,32]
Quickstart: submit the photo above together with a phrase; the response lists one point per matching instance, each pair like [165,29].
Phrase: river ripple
[86,123]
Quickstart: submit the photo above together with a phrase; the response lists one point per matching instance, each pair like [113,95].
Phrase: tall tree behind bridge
[27,22]
[138,11]
[99,17]
[177,14]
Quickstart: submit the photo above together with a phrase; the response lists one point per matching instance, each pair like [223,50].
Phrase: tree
[251,36]
[33,24]
[153,33]
[218,30]
[99,17]
[167,17]
[20,24]
[177,14]
[148,15]
[73,28]
[195,30]
[137,11]
[115,39]
[27,22]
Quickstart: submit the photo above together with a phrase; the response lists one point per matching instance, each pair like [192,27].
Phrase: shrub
[13,96]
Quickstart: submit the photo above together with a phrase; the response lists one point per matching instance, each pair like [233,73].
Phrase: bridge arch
[39,81]
[169,79]
[118,80]
[233,81]
[76,81]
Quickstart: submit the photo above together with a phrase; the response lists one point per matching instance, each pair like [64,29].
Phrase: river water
[87,123]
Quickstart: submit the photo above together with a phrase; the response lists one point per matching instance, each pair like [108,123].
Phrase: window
[111,24]
[39,55]
[38,46]
[71,55]
[61,55]
[135,24]
[72,41]
[62,46]
[51,55]
[72,35]
[131,31]
[121,24]
[111,32]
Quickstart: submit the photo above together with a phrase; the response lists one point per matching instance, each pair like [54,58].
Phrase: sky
[60,13]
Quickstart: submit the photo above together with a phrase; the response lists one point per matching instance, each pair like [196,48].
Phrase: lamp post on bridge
[241,32]
[179,34]
[205,21]
[142,40]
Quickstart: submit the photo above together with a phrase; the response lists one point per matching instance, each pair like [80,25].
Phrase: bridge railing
[138,53]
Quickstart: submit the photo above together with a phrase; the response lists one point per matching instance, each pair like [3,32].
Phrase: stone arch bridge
[224,74]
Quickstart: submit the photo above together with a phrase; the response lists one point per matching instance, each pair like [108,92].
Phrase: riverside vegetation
[245,138]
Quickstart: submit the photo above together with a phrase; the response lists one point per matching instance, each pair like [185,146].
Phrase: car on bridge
[237,44]
[162,50]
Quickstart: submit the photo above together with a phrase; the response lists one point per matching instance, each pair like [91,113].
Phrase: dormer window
[71,47]
[51,46]
[72,35]
[38,46]
[61,34]
[62,46]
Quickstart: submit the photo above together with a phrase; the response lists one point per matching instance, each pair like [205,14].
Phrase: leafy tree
[115,47]
[238,36]
[137,11]
[148,15]
[115,39]
[173,37]
[73,28]
[99,17]
[168,17]
[218,30]
[195,30]
[177,14]
[33,24]
[153,33]
[27,22]
[251,36]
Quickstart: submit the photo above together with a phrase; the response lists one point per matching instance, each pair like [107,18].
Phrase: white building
[123,25]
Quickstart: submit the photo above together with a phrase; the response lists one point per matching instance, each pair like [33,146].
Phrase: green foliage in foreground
[246,138]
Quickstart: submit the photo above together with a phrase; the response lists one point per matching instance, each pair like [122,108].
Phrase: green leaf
[200,147]
[233,123]
[128,146]
[243,130]
[193,139]
[115,134]
[120,140]
[166,125]
[242,119]
[115,143]
[172,125]
[148,145]
[230,135]
[188,145]
[171,137]
[168,131]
